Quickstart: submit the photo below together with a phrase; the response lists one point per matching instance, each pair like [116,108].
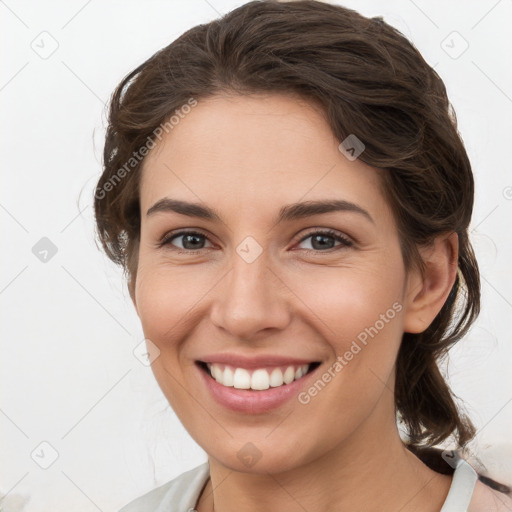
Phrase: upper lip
[260,361]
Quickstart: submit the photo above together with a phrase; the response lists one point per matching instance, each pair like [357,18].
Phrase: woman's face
[294,262]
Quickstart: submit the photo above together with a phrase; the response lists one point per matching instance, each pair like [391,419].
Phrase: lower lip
[250,401]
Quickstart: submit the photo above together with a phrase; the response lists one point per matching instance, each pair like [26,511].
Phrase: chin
[260,454]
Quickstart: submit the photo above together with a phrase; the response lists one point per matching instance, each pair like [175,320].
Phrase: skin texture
[247,157]
[486,499]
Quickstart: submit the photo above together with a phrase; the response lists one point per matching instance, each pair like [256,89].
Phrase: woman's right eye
[188,240]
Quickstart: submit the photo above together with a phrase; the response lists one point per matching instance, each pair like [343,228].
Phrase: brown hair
[371,82]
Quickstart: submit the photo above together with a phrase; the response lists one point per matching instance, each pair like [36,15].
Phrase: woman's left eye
[318,240]
[325,240]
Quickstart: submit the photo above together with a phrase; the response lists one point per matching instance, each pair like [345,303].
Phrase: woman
[287,192]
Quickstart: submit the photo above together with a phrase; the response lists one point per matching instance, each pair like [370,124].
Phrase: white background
[68,373]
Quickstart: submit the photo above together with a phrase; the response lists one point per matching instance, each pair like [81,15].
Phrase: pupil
[321,241]
[192,241]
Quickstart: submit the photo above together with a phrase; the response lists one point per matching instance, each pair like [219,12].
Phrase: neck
[372,470]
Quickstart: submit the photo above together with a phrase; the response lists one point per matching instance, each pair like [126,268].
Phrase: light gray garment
[461,490]
[182,493]
[178,495]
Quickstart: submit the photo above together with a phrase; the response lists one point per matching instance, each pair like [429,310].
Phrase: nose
[251,299]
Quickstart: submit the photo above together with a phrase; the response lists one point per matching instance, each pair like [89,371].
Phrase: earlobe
[427,292]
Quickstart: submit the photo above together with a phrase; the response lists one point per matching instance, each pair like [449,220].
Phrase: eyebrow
[287,213]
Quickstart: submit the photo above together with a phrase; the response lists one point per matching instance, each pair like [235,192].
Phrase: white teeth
[302,370]
[260,379]
[228,377]
[276,378]
[289,375]
[241,379]
[217,373]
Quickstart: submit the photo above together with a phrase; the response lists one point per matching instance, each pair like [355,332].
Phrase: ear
[427,292]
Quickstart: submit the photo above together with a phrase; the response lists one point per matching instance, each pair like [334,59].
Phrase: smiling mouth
[258,379]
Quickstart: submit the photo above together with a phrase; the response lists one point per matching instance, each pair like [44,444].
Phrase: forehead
[253,151]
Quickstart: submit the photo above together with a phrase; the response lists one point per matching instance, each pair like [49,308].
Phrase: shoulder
[486,499]
[179,494]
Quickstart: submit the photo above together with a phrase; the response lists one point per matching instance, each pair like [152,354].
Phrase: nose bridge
[250,299]
[248,276]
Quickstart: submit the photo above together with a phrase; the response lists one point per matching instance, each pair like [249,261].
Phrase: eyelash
[344,241]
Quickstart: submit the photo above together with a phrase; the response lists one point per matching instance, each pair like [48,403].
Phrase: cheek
[353,303]
[167,304]
[167,300]
[359,314]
